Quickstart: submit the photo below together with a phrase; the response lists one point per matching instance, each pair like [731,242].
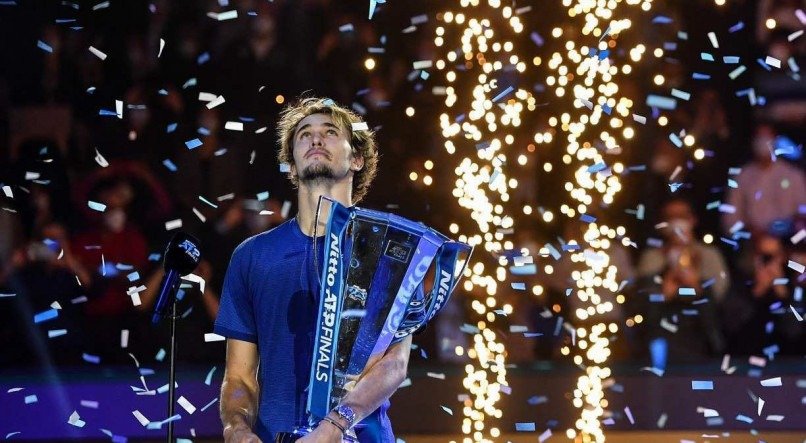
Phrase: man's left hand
[324,433]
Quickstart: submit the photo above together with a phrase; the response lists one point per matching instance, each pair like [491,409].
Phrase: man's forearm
[238,403]
[378,383]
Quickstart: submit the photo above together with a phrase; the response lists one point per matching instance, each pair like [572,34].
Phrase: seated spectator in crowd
[111,250]
[43,274]
[758,314]
[769,190]
[683,279]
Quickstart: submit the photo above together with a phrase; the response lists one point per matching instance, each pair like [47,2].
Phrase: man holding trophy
[319,326]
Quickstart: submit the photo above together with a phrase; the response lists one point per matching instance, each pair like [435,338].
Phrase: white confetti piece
[141,418]
[199,215]
[136,301]
[217,101]
[422,64]
[714,42]
[97,53]
[212,402]
[124,338]
[285,209]
[209,378]
[793,36]
[186,405]
[173,224]
[518,329]
[447,409]
[797,315]
[56,333]
[436,375]
[775,418]
[209,337]
[7,191]
[75,420]
[360,126]
[798,237]
[100,159]
[760,406]
[233,126]
[227,15]
[162,46]
[772,61]
[544,436]
[639,118]
[795,266]
[195,279]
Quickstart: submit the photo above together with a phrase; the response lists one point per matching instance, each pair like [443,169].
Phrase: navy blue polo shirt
[271,298]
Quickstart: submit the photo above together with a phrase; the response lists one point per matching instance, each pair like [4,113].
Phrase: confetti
[772,61]
[436,375]
[173,224]
[544,436]
[141,418]
[447,409]
[44,46]
[629,415]
[714,42]
[795,266]
[360,126]
[233,126]
[217,101]
[192,144]
[525,427]
[772,382]
[100,207]
[186,405]
[702,385]
[50,314]
[212,402]
[97,53]
[89,404]
[75,420]
[56,333]
[210,337]
[29,399]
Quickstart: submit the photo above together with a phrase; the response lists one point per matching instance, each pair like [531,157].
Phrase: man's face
[680,221]
[322,150]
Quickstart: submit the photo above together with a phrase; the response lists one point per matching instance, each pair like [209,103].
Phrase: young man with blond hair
[270,297]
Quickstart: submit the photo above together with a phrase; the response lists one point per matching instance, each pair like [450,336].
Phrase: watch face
[346,412]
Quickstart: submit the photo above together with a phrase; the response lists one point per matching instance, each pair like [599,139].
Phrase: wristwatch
[346,413]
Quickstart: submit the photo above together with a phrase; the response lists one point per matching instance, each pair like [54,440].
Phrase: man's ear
[357,162]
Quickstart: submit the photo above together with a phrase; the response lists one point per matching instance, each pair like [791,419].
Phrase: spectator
[682,326]
[757,315]
[769,190]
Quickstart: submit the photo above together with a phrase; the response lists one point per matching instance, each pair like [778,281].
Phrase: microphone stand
[172,374]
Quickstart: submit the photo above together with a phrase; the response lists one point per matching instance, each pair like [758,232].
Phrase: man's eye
[332,132]
[304,134]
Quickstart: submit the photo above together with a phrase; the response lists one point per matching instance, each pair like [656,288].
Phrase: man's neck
[308,200]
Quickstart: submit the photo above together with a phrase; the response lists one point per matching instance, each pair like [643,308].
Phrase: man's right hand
[240,434]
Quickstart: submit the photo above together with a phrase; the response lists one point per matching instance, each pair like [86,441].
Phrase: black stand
[172,374]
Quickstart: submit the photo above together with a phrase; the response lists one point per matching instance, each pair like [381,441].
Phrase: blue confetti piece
[503,94]
[656,298]
[587,218]
[607,109]
[662,19]
[263,196]
[154,257]
[209,378]
[89,358]
[682,95]
[106,112]
[537,39]
[661,102]
[698,76]
[737,27]
[44,46]
[530,269]
[192,144]
[162,92]
[674,138]
[603,55]
[702,385]
[673,187]
[31,399]
[43,316]
[686,291]
[764,64]
[744,418]
[171,128]
[536,400]
[731,59]
[518,286]
[203,58]
[95,206]
[708,283]
[707,56]
[571,247]
[596,167]
[169,164]
[525,427]
[203,131]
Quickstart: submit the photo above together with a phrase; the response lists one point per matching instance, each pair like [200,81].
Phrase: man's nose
[316,139]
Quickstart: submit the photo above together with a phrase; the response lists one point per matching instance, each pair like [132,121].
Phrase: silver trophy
[375,268]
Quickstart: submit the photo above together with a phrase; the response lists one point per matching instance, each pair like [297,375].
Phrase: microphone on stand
[182,255]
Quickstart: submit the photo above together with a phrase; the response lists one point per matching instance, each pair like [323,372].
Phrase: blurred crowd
[710,270]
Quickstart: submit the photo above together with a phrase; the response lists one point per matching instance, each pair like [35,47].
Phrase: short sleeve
[236,318]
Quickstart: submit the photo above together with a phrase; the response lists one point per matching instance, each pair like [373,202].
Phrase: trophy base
[297,433]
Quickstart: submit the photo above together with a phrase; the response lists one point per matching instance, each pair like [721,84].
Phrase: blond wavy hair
[362,142]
